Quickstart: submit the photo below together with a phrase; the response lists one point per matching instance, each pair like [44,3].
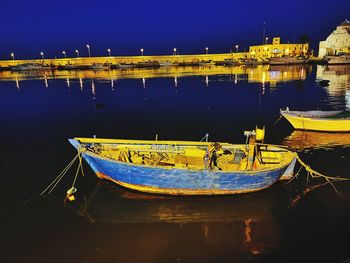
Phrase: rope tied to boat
[314,174]
[54,183]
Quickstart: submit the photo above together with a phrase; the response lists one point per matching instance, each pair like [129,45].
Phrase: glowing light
[236,48]
[174,50]
[141,51]
[42,54]
[13,55]
[77,51]
[109,51]
[64,53]
[88,47]
[206,50]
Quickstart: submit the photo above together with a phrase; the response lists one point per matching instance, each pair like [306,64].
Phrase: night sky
[28,27]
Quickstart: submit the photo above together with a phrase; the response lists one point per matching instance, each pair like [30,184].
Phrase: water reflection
[247,216]
[262,73]
[339,83]
[300,140]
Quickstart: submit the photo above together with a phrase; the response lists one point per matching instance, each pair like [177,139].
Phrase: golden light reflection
[81,84]
[258,74]
[17,83]
[299,140]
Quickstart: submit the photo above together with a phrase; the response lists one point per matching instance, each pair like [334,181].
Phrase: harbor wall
[80,61]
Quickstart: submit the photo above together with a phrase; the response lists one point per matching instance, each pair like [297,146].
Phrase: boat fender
[70,193]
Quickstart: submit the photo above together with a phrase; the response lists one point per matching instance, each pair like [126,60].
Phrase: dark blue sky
[28,27]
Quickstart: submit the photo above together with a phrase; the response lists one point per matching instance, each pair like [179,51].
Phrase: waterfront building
[277,49]
[337,42]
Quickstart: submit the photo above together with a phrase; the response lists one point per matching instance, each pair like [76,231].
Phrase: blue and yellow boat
[187,167]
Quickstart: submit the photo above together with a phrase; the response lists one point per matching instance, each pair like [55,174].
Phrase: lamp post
[266,38]
[64,54]
[141,51]
[236,48]
[88,47]
[42,55]
[174,50]
[109,51]
[77,52]
[206,50]
[12,55]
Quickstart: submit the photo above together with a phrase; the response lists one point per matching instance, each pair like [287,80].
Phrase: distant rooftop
[345,23]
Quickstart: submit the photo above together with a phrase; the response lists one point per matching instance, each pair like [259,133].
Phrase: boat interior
[190,155]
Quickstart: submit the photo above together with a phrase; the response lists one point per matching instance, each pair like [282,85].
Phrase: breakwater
[129,60]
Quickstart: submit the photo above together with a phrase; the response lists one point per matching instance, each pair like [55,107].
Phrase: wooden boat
[187,167]
[287,60]
[329,121]
[27,66]
[342,58]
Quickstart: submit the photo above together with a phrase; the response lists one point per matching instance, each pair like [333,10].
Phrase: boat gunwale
[293,114]
[284,162]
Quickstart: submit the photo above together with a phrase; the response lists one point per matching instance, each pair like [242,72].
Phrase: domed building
[337,42]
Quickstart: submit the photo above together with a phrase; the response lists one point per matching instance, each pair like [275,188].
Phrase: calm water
[41,110]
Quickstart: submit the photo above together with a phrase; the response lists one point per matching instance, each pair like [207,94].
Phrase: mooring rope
[279,118]
[315,174]
[55,182]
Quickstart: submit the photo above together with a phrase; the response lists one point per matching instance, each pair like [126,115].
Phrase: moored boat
[187,167]
[27,66]
[328,121]
[287,60]
[338,59]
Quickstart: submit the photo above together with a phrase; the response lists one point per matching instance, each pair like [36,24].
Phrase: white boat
[27,66]
[165,64]
[338,59]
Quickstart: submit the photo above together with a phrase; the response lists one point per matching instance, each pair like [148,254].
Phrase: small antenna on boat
[206,137]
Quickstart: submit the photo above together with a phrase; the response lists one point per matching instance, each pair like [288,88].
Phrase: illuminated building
[338,41]
[276,49]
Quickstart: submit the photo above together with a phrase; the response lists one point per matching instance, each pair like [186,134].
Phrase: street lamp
[206,50]
[141,51]
[109,51]
[12,55]
[88,47]
[42,54]
[174,50]
[64,54]
[266,38]
[236,48]
[77,51]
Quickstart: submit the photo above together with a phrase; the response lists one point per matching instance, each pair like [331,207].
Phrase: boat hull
[318,124]
[286,61]
[338,60]
[174,181]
